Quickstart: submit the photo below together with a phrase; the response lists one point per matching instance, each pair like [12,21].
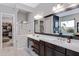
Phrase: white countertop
[74,45]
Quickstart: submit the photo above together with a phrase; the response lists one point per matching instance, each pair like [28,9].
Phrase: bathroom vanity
[55,36]
[52,46]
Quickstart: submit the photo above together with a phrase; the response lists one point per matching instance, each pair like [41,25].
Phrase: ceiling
[33,5]
[43,8]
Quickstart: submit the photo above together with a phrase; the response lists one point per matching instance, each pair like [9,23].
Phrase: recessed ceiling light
[24,22]
[38,16]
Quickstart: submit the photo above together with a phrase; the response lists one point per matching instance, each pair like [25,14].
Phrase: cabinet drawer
[60,49]
[36,51]
[42,51]
[72,53]
[36,42]
[35,46]
[42,42]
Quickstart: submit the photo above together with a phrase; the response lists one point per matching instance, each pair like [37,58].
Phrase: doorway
[7,25]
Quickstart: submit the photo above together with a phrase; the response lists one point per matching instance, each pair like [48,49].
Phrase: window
[67,27]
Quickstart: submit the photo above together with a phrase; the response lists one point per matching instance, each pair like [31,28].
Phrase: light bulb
[54,8]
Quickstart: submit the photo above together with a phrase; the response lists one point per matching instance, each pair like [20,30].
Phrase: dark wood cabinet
[49,51]
[53,50]
[60,49]
[34,44]
[43,48]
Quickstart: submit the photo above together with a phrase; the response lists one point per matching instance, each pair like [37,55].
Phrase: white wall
[22,29]
[30,24]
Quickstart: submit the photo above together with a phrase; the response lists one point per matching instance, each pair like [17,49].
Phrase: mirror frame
[77,27]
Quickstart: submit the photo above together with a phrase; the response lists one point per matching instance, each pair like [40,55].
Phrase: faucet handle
[59,38]
[69,39]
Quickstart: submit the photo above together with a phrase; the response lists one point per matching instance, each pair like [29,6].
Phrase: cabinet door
[57,53]
[49,51]
[60,49]
[72,53]
[42,48]
[52,52]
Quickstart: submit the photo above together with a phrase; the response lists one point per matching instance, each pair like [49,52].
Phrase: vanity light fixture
[73,5]
[38,16]
[58,8]
[54,8]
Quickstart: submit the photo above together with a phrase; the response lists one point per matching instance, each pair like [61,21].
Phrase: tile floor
[10,51]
